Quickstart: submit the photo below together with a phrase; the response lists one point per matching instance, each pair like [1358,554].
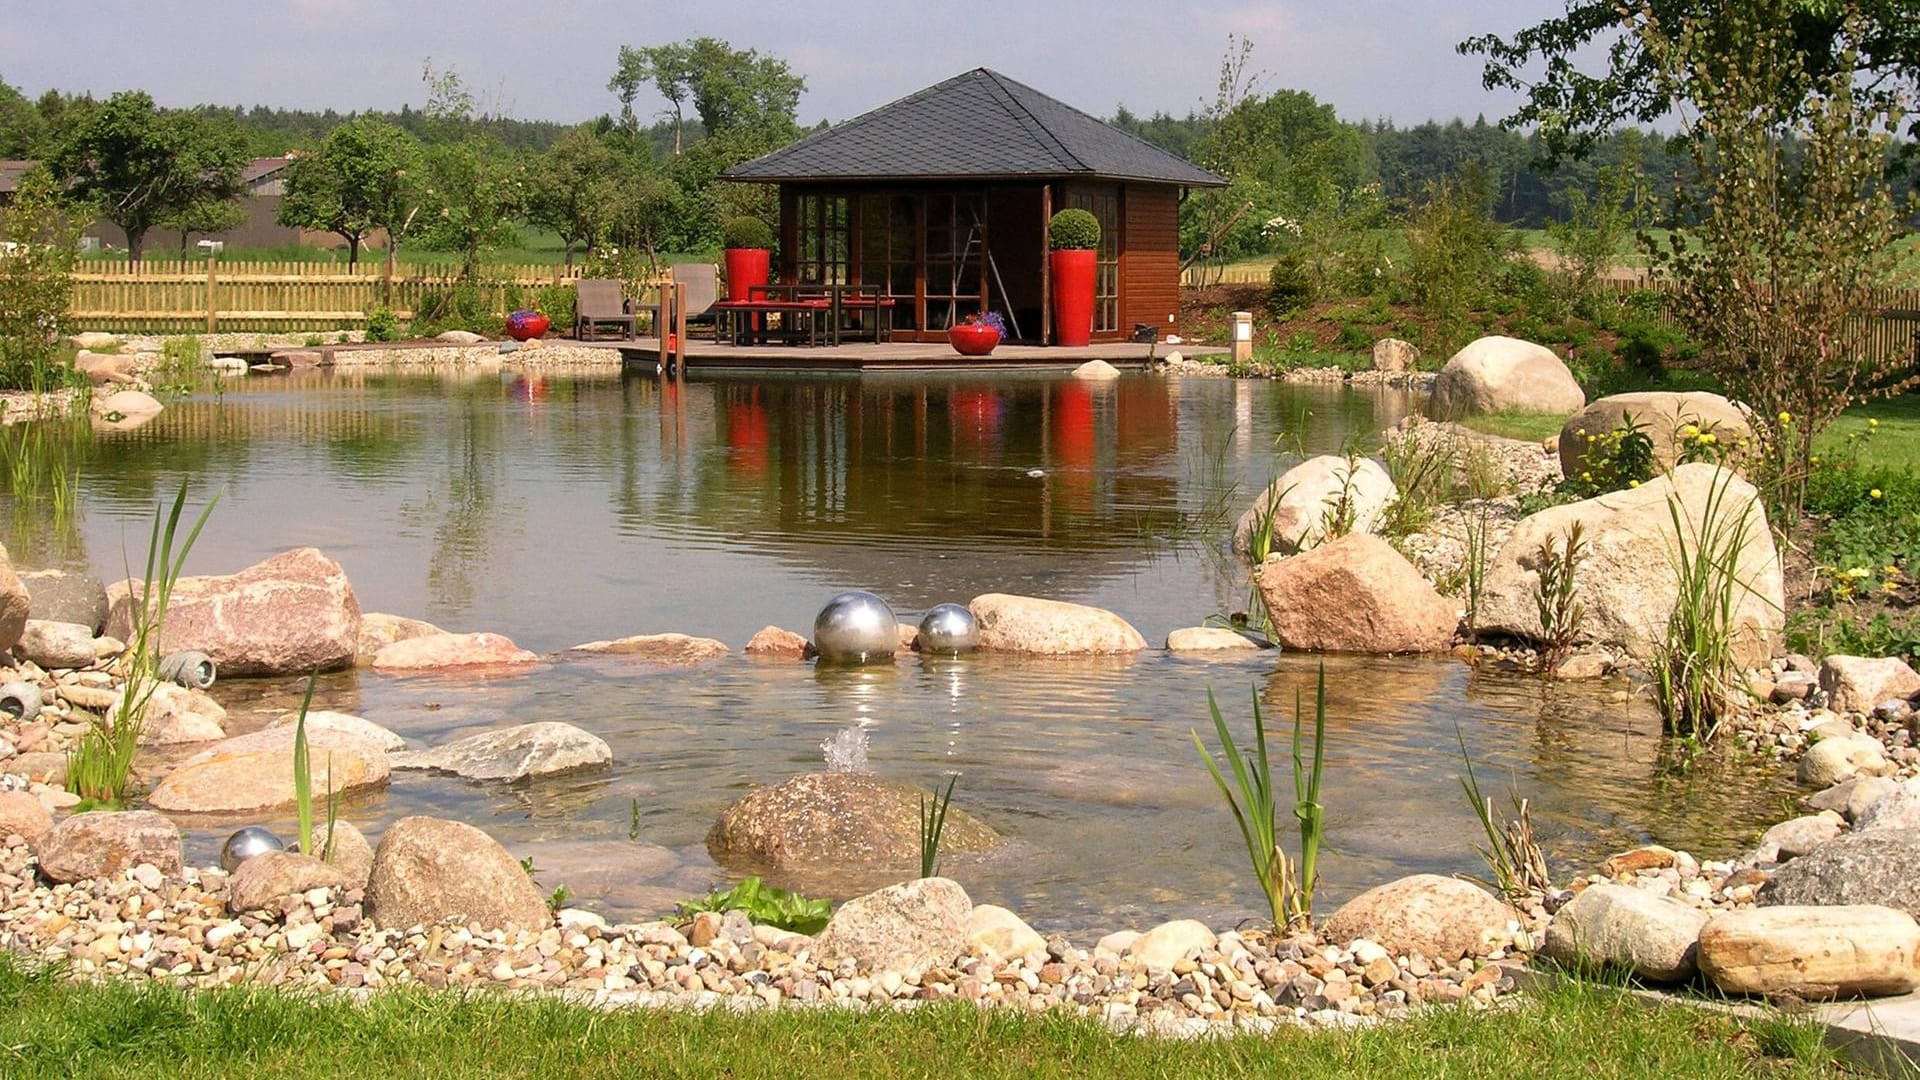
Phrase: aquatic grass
[100,766]
[1694,672]
[1556,599]
[1478,526]
[303,784]
[1422,469]
[933,823]
[1512,854]
[1287,886]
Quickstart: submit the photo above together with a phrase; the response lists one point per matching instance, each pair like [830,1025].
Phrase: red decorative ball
[527,325]
[973,339]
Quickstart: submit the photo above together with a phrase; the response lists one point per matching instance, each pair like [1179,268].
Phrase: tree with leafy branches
[475,192]
[140,165]
[575,188]
[39,240]
[363,179]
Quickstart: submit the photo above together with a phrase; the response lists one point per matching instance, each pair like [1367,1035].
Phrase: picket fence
[160,296]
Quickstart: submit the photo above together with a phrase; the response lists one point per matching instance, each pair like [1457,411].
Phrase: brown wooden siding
[1150,259]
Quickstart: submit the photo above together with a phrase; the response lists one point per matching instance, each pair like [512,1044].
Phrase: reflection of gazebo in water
[941,199]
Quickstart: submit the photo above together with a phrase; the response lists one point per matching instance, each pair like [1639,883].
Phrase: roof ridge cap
[1024,116]
[1116,129]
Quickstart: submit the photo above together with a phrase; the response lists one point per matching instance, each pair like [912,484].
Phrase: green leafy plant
[303,785]
[1290,285]
[36,285]
[1512,855]
[1617,458]
[100,766]
[1073,230]
[747,232]
[1694,672]
[766,906]
[382,324]
[1555,597]
[1287,886]
[933,822]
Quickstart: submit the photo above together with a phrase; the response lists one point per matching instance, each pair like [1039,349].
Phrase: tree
[669,68]
[474,193]
[140,165]
[21,125]
[573,188]
[362,179]
[39,236]
[732,90]
[203,216]
[1574,107]
[1792,230]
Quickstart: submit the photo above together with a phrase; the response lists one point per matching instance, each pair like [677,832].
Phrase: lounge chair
[598,301]
[702,282]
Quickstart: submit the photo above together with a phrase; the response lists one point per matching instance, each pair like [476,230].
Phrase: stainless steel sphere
[856,628]
[948,628]
[20,700]
[245,844]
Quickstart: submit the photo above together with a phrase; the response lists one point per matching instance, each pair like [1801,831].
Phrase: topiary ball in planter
[747,232]
[1073,230]
[527,325]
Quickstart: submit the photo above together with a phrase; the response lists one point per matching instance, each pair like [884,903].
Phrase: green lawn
[1534,427]
[53,1029]
[1894,443]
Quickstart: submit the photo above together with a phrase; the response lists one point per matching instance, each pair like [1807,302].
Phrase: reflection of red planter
[973,339]
[527,325]
[746,267]
[1072,297]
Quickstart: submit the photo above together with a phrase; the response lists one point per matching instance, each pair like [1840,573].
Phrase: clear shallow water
[563,510]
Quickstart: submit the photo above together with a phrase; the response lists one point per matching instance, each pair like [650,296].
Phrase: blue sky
[1370,58]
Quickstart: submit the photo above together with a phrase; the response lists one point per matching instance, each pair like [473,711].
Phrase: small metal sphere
[245,844]
[20,700]
[191,669]
[948,628]
[856,628]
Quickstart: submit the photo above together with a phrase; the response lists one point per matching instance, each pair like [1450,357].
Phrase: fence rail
[172,295]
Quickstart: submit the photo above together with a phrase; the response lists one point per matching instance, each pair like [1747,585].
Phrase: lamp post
[1242,337]
[213,248]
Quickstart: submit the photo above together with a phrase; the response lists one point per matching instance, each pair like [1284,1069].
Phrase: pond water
[564,509]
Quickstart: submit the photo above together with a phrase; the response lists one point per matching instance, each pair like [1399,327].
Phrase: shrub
[747,232]
[1073,230]
[36,285]
[556,303]
[1353,336]
[382,324]
[1289,285]
[1622,457]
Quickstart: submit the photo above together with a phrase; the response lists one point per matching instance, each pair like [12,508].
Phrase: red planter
[1073,273]
[973,339]
[527,325]
[746,267]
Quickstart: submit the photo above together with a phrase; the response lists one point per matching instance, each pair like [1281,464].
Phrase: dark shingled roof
[973,126]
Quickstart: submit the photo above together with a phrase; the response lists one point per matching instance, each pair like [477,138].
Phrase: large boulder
[1395,356]
[1437,917]
[1876,867]
[774,641]
[1627,582]
[102,369]
[427,870]
[1503,374]
[379,630]
[1355,594]
[827,819]
[254,772]
[70,596]
[1624,927]
[902,928]
[289,615]
[55,644]
[673,650]
[106,843]
[522,752]
[1026,624]
[438,651]
[264,880]
[1897,808]
[126,405]
[1831,761]
[1858,683]
[1307,497]
[1660,415]
[14,604]
[1209,639]
[1812,952]
[350,853]
[328,720]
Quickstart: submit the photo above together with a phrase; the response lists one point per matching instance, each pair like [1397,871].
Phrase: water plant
[100,765]
[1694,672]
[1555,598]
[765,905]
[1421,467]
[1512,855]
[303,785]
[1478,526]
[933,822]
[1287,886]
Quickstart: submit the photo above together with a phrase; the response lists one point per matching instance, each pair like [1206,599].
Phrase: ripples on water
[560,510]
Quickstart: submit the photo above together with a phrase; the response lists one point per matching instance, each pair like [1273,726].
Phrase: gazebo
[941,199]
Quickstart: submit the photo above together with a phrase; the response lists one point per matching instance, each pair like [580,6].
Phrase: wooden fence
[1888,330]
[208,296]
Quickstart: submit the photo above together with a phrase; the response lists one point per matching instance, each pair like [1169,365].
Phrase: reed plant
[1556,596]
[1695,677]
[933,823]
[303,785]
[1288,886]
[100,766]
[1422,468]
[1512,854]
[1478,526]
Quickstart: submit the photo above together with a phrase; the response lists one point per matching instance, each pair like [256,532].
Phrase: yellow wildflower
[1786,417]
[1874,494]
[1633,483]
[1872,423]
[1690,430]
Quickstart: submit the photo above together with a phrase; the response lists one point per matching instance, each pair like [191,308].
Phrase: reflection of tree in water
[468,514]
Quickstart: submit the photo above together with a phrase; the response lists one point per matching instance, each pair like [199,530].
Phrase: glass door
[890,254]
[955,237]
[1104,204]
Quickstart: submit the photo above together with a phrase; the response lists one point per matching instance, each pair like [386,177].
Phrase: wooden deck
[900,356]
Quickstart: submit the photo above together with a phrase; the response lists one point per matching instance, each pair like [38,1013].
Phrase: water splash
[846,751]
